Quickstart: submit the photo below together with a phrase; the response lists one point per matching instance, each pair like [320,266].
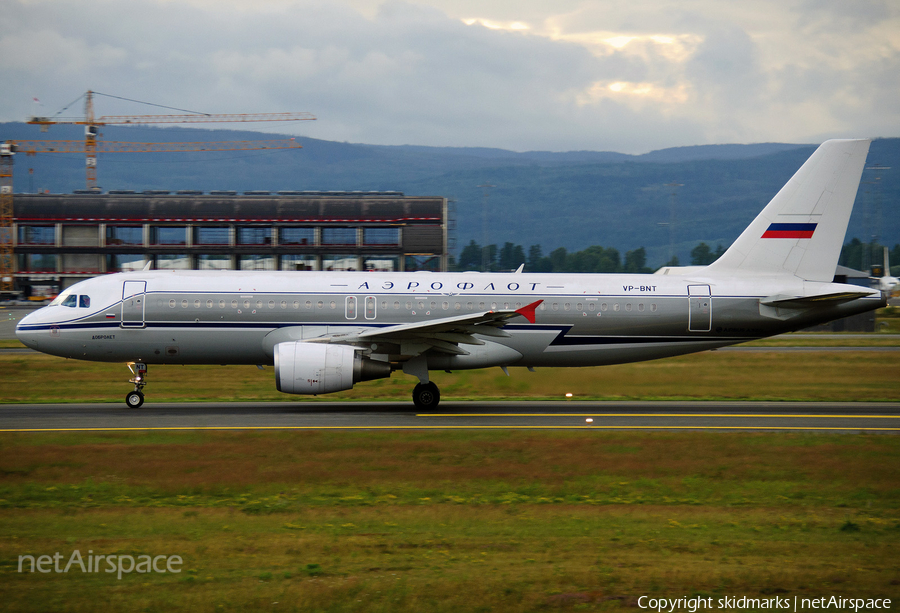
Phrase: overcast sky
[616,75]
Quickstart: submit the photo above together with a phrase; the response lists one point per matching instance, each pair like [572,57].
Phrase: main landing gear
[426,396]
[136,398]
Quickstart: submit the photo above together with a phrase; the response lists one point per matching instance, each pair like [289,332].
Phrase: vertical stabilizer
[801,231]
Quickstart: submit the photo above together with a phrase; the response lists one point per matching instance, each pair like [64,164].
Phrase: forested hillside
[570,200]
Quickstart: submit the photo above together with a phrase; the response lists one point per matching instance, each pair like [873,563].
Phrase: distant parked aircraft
[326,331]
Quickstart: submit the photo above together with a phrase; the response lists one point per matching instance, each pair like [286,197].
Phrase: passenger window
[71,301]
[85,302]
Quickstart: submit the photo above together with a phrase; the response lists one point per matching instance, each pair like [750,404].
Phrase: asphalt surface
[720,416]
[9,317]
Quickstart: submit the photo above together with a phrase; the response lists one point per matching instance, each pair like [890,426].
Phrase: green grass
[815,376]
[448,521]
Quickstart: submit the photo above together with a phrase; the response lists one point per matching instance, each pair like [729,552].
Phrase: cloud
[629,76]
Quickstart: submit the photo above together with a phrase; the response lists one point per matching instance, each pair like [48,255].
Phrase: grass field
[455,521]
[448,521]
[814,376]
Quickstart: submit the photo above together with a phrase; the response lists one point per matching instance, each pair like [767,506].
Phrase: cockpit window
[84,302]
[59,299]
[70,301]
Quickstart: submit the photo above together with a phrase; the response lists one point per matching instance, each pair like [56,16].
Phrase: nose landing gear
[135,398]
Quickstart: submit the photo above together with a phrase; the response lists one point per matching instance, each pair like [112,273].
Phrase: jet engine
[320,368]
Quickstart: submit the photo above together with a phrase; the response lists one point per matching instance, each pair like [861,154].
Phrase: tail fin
[801,231]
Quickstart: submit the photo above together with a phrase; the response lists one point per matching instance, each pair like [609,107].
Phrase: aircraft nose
[25,331]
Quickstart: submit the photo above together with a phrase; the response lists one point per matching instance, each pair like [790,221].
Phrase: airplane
[887,283]
[326,331]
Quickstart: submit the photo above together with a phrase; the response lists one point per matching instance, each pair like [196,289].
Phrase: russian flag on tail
[790,230]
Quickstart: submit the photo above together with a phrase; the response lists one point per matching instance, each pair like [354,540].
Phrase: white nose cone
[25,333]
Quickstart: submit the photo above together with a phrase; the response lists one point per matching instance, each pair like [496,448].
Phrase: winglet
[527,311]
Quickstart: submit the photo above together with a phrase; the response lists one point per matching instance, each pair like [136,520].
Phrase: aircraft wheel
[134,399]
[426,396]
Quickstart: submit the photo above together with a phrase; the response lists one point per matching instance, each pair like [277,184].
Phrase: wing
[445,335]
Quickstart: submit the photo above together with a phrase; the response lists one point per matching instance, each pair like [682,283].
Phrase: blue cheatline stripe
[562,338]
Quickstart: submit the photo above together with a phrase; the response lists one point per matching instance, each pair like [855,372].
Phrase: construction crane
[92,145]
[92,124]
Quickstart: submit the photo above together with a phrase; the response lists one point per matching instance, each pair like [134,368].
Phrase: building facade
[63,238]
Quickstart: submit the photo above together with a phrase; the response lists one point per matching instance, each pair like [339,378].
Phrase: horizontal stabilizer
[803,302]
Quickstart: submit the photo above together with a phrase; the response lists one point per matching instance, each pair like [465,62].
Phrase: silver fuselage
[209,317]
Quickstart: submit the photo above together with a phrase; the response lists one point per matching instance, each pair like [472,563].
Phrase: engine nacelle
[320,368]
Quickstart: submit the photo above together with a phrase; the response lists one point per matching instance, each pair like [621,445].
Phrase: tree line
[862,256]
[597,258]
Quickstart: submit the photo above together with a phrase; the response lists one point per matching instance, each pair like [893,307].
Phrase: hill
[569,199]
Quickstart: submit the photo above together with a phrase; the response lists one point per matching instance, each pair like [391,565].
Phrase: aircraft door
[700,308]
[133,299]
[370,307]
[350,307]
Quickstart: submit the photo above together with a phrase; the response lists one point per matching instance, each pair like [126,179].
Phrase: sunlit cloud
[618,41]
[514,26]
[634,93]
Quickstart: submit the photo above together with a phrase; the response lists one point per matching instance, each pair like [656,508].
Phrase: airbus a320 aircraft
[326,331]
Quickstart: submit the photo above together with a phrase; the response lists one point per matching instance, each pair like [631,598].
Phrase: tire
[134,399]
[426,396]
